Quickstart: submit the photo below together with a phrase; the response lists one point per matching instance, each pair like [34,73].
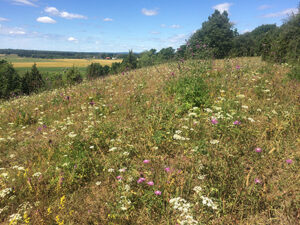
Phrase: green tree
[95,70]
[72,76]
[129,62]
[166,54]
[9,80]
[147,58]
[32,81]
[216,33]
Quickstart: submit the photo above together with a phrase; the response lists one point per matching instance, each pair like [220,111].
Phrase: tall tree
[32,81]
[9,80]
[217,33]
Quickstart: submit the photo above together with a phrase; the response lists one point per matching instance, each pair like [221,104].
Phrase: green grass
[76,155]
[23,70]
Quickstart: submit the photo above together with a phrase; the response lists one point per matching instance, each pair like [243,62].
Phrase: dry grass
[81,145]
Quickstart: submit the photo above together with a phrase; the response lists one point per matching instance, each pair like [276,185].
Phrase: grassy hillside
[189,143]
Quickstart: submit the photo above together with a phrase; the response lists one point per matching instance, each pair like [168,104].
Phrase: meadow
[193,142]
[22,64]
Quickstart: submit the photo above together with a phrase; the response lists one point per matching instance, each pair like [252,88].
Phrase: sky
[120,25]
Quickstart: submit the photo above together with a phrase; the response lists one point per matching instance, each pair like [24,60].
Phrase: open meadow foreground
[193,142]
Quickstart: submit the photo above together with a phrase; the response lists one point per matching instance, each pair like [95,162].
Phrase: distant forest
[62,54]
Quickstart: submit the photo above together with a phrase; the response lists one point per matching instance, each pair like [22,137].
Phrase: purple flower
[289,161]
[172,74]
[146,161]
[150,183]
[167,169]
[258,149]
[141,180]
[214,121]
[238,67]
[157,192]
[257,181]
[92,103]
[119,178]
[68,98]
[236,122]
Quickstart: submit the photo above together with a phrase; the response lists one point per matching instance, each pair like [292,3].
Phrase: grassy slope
[71,143]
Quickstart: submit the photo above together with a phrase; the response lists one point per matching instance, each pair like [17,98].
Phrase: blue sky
[120,25]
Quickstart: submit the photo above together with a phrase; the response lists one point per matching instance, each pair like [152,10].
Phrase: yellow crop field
[65,63]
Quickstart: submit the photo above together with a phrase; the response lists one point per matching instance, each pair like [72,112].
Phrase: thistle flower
[214,121]
[236,122]
[258,149]
[167,169]
[150,183]
[141,180]
[257,181]
[146,161]
[157,192]
[289,161]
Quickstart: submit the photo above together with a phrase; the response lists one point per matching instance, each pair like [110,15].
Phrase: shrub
[9,80]
[96,70]
[73,76]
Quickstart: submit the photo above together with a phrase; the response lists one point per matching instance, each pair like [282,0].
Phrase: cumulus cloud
[55,12]
[178,38]
[175,26]
[45,19]
[263,7]
[223,7]
[155,32]
[282,13]
[2,19]
[150,12]
[24,2]
[107,19]
[163,25]
[72,39]
[12,30]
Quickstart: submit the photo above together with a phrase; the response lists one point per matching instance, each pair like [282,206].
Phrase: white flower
[112,149]
[37,174]
[15,217]
[240,96]
[126,153]
[213,142]
[178,132]
[92,147]
[72,134]
[123,208]
[192,114]
[5,192]
[5,175]
[110,170]
[98,183]
[197,189]
[208,110]
[245,107]
[251,119]
[178,137]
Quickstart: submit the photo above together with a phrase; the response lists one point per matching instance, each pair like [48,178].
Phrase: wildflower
[213,142]
[157,192]
[238,67]
[141,180]
[5,192]
[146,161]
[257,181]
[126,153]
[92,103]
[122,170]
[289,161]
[150,183]
[180,138]
[208,202]
[258,149]
[110,170]
[92,147]
[251,120]
[72,134]
[167,169]
[112,149]
[245,106]
[214,121]
[119,178]
[236,122]
[98,183]
[37,174]
[197,189]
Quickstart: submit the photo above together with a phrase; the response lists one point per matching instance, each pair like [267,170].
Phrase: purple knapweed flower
[167,169]
[150,183]
[141,180]
[236,122]
[119,178]
[92,103]
[157,192]
[146,161]
[257,181]
[258,149]
[214,121]
[238,67]
[172,74]
[68,98]
[289,161]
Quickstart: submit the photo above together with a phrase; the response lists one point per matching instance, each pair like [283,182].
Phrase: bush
[96,70]
[295,73]
[9,80]
[72,76]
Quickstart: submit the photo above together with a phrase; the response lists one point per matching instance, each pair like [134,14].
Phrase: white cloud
[12,30]
[282,13]
[246,31]
[24,2]
[263,7]
[107,19]
[223,7]
[72,39]
[2,19]
[155,32]
[177,38]
[55,12]
[163,25]
[175,26]
[17,32]
[149,12]
[45,19]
